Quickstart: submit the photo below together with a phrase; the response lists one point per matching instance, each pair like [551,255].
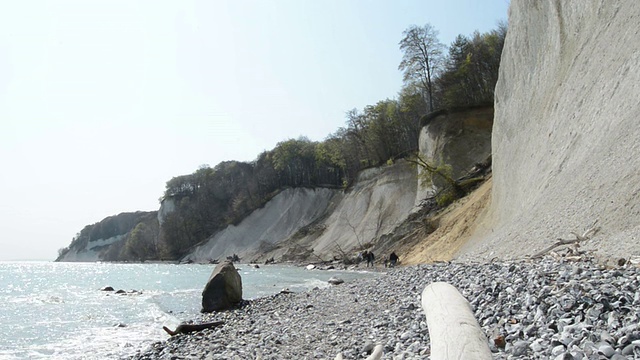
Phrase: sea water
[57,310]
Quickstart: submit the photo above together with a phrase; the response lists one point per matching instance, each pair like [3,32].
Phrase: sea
[51,310]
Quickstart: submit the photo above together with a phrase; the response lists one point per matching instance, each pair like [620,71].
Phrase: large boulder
[223,290]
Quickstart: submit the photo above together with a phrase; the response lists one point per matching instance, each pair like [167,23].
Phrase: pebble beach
[549,308]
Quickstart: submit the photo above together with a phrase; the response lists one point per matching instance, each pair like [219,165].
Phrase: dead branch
[353,228]
[322,261]
[579,238]
[188,328]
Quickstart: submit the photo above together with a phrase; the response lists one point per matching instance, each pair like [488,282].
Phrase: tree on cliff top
[422,58]
[471,70]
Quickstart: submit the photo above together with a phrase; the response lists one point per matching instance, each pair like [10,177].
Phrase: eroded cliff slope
[312,224]
[265,229]
[566,137]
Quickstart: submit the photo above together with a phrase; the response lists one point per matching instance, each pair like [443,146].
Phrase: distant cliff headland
[323,200]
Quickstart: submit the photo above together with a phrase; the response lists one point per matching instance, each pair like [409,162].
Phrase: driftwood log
[376,354]
[189,328]
[453,330]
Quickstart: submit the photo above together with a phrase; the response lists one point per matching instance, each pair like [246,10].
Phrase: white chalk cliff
[266,228]
[92,251]
[380,199]
[311,224]
[566,136]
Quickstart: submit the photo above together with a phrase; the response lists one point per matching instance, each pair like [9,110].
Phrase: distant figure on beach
[370,258]
[393,259]
[362,256]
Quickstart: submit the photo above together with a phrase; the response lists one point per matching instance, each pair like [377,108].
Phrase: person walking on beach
[362,256]
[393,259]
[370,258]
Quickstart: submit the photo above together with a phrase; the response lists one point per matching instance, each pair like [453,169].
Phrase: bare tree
[423,57]
[355,232]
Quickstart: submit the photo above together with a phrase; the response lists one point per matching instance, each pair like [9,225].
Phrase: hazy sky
[102,102]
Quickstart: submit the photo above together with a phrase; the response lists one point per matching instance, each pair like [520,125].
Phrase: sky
[103,102]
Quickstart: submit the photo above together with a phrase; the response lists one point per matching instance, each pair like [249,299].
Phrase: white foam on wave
[108,341]
[309,284]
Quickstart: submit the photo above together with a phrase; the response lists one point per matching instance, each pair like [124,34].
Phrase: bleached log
[453,330]
[376,354]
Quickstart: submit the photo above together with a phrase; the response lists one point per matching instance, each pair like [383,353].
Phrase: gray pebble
[564,356]
[559,349]
[520,348]
[536,347]
[544,309]
[606,350]
[628,350]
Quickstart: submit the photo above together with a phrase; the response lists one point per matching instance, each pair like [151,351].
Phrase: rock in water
[223,290]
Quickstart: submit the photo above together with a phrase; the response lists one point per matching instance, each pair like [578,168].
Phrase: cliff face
[105,240]
[459,138]
[566,142]
[306,224]
[267,228]
[379,201]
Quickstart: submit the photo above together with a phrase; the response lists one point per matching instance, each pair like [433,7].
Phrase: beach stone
[335,281]
[536,347]
[606,337]
[577,355]
[224,288]
[558,349]
[499,341]
[368,347]
[388,311]
[606,350]
[628,350]
[564,356]
[520,348]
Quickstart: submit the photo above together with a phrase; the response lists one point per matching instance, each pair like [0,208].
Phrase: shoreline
[544,308]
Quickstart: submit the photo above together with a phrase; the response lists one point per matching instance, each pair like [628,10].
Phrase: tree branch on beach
[355,232]
[189,328]
[579,238]
[344,256]
[380,218]
[317,256]
[376,353]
